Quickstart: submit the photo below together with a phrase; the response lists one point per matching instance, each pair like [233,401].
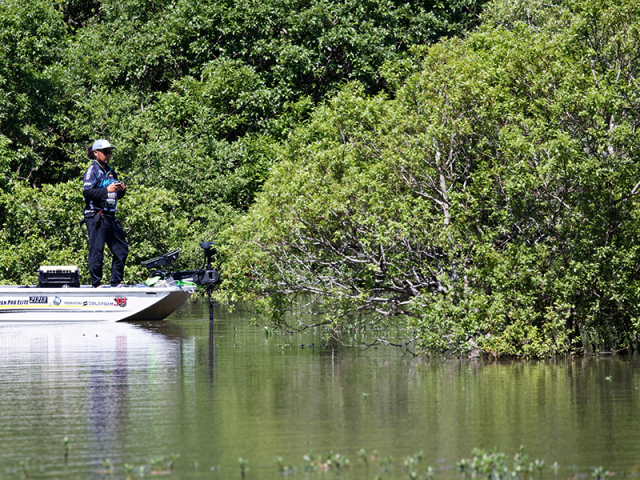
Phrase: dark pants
[106,229]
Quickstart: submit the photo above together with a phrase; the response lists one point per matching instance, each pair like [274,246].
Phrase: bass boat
[58,296]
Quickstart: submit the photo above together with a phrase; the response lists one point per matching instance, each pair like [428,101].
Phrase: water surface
[140,394]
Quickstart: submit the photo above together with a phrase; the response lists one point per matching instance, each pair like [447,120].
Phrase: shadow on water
[189,397]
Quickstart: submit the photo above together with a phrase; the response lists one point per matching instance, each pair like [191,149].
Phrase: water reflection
[106,398]
[213,392]
[77,380]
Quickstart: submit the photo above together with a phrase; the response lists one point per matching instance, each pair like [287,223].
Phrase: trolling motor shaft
[208,275]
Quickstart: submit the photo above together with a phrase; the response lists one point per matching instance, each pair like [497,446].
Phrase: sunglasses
[105,152]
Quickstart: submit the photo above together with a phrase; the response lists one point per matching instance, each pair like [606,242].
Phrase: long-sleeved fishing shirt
[94,188]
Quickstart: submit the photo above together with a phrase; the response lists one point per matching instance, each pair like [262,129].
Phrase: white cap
[101,145]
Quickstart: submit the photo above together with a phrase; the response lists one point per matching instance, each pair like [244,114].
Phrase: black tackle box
[59,276]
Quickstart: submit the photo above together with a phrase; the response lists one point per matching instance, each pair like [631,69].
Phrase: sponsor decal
[84,304]
[100,304]
[72,303]
[39,300]
[57,301]
[120,301]
[14,302]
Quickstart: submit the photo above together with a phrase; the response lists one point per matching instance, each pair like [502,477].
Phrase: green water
[138,394]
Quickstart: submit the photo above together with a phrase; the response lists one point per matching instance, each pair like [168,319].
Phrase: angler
[102,190]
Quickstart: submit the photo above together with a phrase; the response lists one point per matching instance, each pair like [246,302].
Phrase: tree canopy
[149,76]
[487,202]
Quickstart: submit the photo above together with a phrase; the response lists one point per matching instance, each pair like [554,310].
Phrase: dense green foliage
[151,75]
[478,190]
[488,203]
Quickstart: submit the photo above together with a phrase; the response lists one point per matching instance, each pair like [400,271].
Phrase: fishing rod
[186,142]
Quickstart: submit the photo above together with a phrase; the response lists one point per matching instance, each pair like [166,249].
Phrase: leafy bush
[488,207]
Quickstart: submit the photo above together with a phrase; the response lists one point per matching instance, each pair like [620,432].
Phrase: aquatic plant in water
[243,463]
[284,469]
[492,465]
[331,461]
[488,464]
[163,465]
[412,463]
[599,473]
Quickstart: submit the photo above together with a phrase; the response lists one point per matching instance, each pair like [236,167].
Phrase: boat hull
[82,304]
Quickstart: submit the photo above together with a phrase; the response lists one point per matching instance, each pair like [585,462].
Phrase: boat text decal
[100,304]
[14,302]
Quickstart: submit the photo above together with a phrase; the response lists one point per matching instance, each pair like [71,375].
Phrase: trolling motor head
[207,275]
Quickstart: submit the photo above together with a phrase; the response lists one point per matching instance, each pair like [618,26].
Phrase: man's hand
[115,186]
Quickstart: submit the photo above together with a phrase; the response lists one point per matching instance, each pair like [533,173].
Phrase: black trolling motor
[203,278]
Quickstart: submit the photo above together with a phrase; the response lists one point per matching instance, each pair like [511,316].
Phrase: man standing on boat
[101,191]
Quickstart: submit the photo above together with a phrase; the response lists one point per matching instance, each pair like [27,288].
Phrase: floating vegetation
[107,466]
[482,465]
[330,461]
[492,465]
[163,465]
[243,463]
[600,473]
[284,469]
[412,465]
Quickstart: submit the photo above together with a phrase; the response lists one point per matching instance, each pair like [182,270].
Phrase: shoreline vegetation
[465,173]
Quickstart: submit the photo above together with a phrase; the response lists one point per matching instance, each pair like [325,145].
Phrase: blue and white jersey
[94,188]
